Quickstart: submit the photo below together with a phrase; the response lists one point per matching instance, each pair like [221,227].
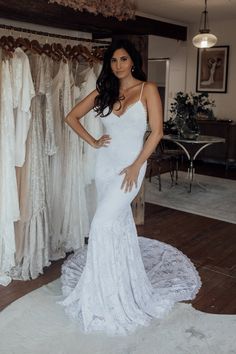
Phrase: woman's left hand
[131,177]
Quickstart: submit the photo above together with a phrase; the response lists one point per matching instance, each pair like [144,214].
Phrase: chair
[165,160]
[177,155]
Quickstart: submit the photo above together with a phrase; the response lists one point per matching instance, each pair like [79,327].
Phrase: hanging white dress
[93,125]
[50,143]
[32,231]
[56,163]
[68,204]
[111,288]
[75,223]
[9,206]
[23,92]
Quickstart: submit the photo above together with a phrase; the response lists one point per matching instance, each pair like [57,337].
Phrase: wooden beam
[42,13]
[147,26]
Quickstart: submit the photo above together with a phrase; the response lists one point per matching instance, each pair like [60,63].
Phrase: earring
[133,68]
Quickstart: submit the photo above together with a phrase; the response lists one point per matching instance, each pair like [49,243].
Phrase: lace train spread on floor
[132,299]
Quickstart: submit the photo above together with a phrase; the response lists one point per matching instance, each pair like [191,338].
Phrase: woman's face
[121,63]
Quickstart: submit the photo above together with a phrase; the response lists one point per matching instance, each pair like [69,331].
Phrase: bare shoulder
[150,93]
[150,88]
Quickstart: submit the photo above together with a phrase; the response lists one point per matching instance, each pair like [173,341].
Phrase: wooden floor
[209,243]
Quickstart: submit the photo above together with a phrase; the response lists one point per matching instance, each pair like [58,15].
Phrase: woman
[114,293]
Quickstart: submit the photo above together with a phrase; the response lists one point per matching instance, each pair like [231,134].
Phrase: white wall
[176,52]
[225,102]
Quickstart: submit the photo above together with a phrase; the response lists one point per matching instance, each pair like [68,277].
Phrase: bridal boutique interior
[50,60]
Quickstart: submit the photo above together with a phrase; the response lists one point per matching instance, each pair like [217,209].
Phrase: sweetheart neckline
[128,107]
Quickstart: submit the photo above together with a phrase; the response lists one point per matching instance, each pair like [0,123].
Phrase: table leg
[191,172]
[191,169]
[191,156]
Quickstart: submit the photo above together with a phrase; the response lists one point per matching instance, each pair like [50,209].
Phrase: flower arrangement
[192,104]
[184,112]
[123,10]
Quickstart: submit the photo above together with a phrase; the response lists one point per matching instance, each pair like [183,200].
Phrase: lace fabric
[121,282]
[9,206]
[50,144]
[23,92]
[171,278]
[32,230]
[69,216]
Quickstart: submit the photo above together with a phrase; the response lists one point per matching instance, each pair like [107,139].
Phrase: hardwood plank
[218,293]
[18,288]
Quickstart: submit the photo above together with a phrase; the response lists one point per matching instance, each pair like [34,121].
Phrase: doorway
[158,72]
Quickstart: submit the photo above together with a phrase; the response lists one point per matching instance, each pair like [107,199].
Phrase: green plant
[190,104]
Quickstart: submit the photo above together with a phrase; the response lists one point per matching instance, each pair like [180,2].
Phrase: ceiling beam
[54,15]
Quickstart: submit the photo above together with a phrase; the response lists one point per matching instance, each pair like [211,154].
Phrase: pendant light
[204,39]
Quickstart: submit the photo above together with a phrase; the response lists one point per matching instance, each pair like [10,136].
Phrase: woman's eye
[124,59]
[113,60]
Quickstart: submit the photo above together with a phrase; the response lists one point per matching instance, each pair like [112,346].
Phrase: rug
[216,200]
[36,324]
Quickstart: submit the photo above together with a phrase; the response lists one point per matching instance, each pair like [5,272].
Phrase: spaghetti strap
[141,91]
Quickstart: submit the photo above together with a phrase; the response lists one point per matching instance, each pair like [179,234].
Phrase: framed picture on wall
[212,69]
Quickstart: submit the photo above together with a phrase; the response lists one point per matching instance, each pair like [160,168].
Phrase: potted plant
[185,110]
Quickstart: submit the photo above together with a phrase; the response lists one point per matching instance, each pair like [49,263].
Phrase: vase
[190,128]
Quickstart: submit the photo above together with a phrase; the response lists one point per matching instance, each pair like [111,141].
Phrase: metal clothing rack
[53,35]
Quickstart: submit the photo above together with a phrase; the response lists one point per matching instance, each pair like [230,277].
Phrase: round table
[188,145]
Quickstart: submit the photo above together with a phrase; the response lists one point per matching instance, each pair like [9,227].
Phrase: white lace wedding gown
[121,281]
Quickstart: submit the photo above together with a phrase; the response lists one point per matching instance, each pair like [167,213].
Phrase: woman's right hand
[101,142]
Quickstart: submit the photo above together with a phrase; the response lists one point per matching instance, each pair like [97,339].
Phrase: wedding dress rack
[42,78]
[55,51]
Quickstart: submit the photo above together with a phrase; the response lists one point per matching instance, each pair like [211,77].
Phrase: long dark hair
[108,84]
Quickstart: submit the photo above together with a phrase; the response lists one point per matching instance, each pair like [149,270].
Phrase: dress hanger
[98,53]
[88,55]
[75,52]
[61,50]
[47,50]
[23,43]
[68,50]
[36,47]
[7,45]
[57,53]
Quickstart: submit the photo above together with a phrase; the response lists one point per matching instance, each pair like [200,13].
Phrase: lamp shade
[204,40]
